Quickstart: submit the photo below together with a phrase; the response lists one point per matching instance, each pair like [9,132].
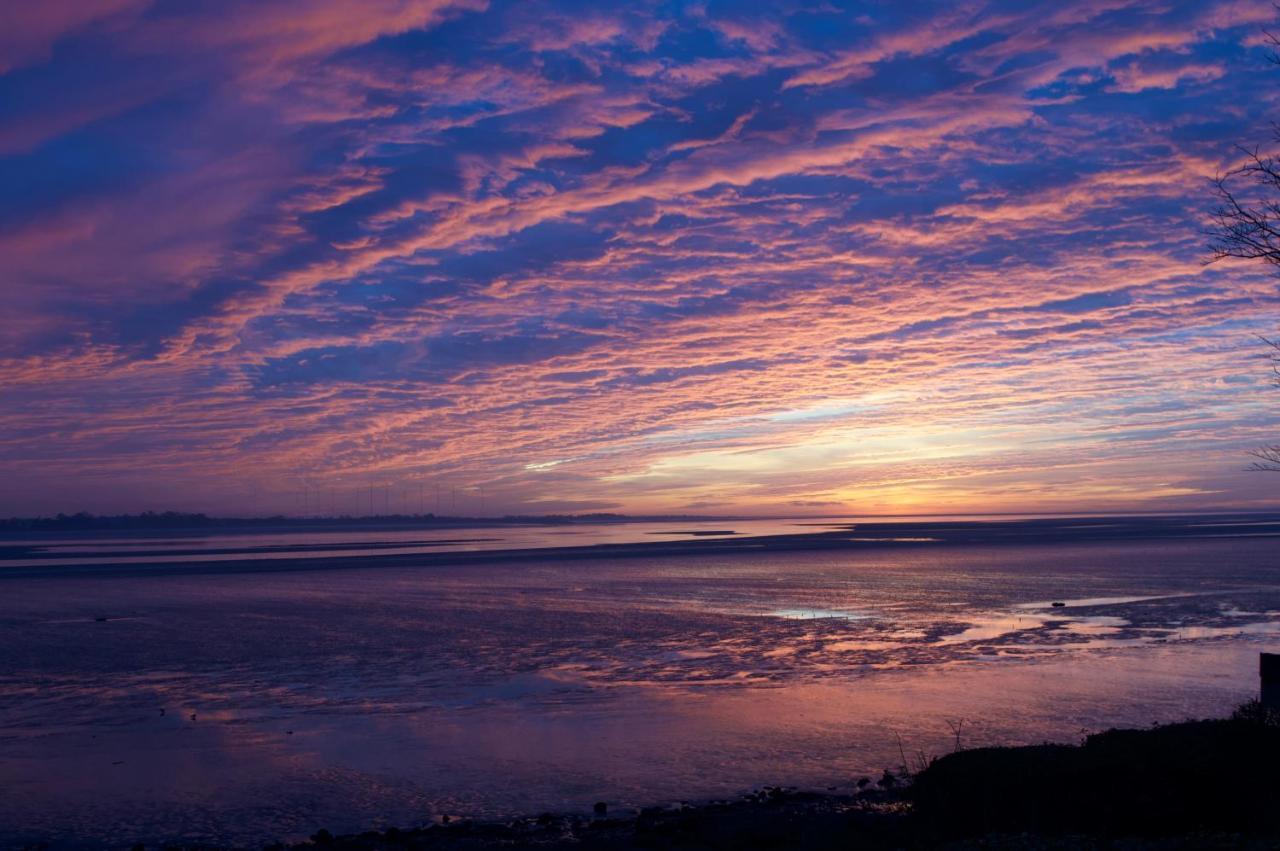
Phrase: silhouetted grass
[1193,776]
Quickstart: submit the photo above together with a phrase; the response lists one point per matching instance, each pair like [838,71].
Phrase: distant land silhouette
[82,521]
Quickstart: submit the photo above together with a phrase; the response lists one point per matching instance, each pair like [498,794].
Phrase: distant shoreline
[194,522]
[173,521]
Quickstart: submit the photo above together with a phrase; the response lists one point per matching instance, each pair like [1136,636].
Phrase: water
[360,698]
[96,548]
[92,549]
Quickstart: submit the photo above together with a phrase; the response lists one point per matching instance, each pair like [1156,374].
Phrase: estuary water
[284,545]
[245,707]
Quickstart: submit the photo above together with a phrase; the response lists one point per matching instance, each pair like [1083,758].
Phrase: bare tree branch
[1247,219]
[1247,226]
[1268,459]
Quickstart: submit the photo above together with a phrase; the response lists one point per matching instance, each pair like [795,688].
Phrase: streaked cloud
[862,257]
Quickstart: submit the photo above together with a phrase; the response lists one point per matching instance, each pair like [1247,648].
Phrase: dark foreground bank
[1198,784]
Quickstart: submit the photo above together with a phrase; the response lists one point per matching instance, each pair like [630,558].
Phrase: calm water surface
[250,707]
[90,548]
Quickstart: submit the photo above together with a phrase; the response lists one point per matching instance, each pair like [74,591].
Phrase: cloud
[917,258]
[32,29]
[1133,77]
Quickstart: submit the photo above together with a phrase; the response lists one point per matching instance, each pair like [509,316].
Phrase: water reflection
[351,699]
[223,547]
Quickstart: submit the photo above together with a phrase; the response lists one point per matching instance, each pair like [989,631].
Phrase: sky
[714,258]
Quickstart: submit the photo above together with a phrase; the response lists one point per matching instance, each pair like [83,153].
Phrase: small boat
[1058,604]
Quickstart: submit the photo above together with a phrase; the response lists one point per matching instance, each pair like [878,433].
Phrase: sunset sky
[647,257]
